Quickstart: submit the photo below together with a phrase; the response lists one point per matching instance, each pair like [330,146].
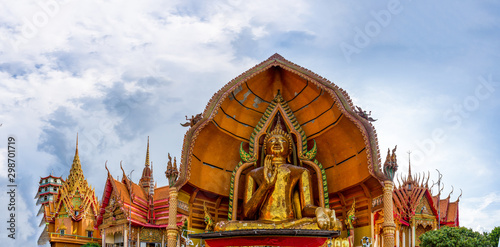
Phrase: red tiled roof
[449,211]
[144,212]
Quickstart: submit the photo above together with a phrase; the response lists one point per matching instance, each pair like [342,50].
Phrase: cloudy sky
[117,72]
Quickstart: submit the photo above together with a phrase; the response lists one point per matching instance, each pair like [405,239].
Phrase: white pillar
[138,240]
[409,237]
[103,233]
[162,240]
[404,238]
[413,235]
[125,238]
[397,238]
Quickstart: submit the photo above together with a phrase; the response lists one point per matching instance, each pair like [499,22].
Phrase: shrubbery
[91,245]
[459,237]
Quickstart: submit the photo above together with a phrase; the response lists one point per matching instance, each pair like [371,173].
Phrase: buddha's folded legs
[304,223]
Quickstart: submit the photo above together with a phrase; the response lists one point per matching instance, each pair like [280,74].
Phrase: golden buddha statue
[279,195]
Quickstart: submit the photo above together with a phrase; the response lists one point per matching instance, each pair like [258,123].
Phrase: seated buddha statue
[279,195]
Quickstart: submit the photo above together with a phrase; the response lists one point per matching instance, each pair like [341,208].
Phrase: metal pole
[439,198]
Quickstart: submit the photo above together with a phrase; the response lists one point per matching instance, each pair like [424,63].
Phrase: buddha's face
[278,146]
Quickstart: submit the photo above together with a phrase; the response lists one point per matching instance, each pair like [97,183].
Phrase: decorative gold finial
[278,97]
[147,154]
[76,143]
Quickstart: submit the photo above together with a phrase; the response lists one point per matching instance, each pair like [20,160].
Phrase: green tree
[91,245]
[494,235]
[454,237]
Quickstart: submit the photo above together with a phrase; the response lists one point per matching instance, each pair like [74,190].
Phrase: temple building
[135,214]
[417,211]
[69,209]
[331,138]
[279,155]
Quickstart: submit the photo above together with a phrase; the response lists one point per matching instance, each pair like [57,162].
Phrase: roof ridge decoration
[279,107]
[342,100]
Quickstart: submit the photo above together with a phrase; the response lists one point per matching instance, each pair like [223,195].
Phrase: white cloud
[481,213]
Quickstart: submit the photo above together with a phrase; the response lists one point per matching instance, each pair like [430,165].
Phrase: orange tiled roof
[145,211]
[449,211]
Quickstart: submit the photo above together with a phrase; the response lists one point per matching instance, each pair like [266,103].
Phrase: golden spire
[76,167]
[146,177]
[76,143]
[147,154]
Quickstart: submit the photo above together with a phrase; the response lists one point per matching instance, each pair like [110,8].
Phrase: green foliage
[494,235]
[91,245]
[454,237]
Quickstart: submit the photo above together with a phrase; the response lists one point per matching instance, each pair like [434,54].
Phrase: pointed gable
[75,197]
[130,201]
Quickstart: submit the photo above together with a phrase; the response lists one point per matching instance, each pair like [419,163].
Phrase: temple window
[76,213]
[90,234]
[62,232]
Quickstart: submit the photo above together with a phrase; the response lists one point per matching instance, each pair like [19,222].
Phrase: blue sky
[118,72]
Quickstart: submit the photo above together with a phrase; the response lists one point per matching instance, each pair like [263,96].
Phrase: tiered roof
[448,210]
[48,186]
[143,204]
[75,197]
[412,190]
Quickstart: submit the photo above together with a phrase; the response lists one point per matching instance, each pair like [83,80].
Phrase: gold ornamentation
[351,217]
[209,221]
[270,197]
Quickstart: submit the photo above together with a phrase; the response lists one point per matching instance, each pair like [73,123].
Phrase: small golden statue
[209,221]
[271,200]
[351,216]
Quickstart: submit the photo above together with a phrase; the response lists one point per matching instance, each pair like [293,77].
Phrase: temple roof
[51,176]
[449,211]
[130,196]
[75,194]
[410,192]
[346,142]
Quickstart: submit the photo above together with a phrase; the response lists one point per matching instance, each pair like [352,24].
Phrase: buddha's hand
[269,171]
[327,220]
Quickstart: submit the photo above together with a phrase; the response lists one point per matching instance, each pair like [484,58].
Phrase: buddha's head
[278,142]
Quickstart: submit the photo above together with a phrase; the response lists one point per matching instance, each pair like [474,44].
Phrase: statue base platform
[267,237]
